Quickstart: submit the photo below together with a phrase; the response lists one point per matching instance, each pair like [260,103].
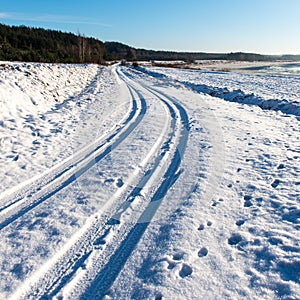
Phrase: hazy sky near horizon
[261,26]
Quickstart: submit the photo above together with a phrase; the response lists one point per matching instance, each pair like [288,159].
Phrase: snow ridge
[292,108]
[237,95]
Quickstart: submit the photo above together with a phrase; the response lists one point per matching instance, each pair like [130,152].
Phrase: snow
[41,122]
[268,92]
[148,183]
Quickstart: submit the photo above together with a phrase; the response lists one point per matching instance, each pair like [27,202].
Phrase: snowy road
[24,198]
[156,172]
[158,188]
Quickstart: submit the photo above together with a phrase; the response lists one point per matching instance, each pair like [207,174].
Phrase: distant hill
[120,51]
[21,43]
[290,57]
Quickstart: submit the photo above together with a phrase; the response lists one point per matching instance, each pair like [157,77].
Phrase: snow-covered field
[148,183]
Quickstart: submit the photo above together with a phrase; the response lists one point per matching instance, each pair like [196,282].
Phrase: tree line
[21,43]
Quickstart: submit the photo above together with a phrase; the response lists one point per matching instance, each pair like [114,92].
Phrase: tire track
[45,186]
[108,274]
[57,271]
[120,249]
[108,241]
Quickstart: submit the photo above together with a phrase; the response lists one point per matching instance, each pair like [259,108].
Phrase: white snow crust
[148,183]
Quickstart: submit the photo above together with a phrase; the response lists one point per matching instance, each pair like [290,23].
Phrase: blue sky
[262,26]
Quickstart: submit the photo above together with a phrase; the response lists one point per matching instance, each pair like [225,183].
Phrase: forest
[21,43]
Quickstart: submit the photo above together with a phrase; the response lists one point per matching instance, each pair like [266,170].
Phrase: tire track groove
[69,174]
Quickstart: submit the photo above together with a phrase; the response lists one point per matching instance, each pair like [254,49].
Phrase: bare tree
[81,47]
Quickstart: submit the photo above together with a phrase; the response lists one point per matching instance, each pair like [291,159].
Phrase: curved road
[88,264]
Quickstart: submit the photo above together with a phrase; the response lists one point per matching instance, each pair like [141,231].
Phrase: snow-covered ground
[266,91]
[148,183]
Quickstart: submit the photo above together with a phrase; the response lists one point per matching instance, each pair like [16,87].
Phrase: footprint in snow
[215,202]
[175,260]
[185,271]
[171,265]
[119,183]
[203,252]
[201,227]
[158,297]
[247,201]
[240,222]
[275,183]
[235,239]
[178,256]
[108,181]
[251,187]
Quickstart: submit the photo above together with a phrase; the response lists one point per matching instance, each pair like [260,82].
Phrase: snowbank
[240,88]
[42,114]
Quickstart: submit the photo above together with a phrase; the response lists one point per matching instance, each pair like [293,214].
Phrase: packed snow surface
[148,183]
